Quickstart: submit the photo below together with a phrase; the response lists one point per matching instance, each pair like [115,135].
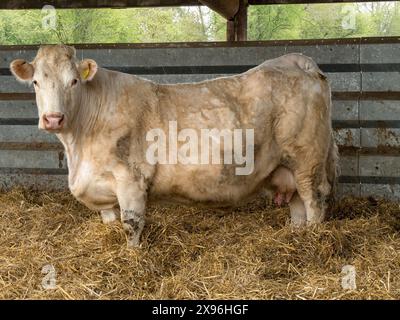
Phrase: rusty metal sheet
[380,137]
[347,137]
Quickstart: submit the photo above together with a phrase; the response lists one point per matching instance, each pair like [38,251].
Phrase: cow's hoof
[298,223]
[134,244]
[108,216]
[313,222]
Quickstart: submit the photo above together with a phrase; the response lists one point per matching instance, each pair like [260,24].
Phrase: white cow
[104,119]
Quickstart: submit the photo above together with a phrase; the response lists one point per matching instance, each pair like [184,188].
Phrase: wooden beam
[226,8]
[61,4]
[68,4]
[265,2]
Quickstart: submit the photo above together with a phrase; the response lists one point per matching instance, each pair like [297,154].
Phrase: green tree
[274,22]
[270,22]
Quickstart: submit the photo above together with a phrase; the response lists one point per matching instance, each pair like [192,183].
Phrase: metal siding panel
[379,166]
[348,189]
[32,159]
[7,56]
[10,84]
[347,137]
[37,182]
[199,56]
[183,56]
[344,81]
[348,53]
[381,81]
[380,110]
[18,109]
[385,191]
[380,53]
[344,110]
[348,165]
[380,137]
[21,133]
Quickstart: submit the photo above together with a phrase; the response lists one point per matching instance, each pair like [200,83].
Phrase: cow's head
[58,78]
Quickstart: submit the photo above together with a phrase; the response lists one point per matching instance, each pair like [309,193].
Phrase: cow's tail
[332,168]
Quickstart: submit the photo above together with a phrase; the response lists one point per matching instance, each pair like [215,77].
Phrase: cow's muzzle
[53,121]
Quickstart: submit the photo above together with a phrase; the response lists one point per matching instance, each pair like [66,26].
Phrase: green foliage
[320,21]
[200,24]
[104,26]
[275,22]
[218,27]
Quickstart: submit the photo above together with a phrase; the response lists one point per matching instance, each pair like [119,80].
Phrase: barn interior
[249,252]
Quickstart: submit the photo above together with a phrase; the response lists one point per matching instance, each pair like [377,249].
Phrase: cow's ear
[22,70]
[87,69]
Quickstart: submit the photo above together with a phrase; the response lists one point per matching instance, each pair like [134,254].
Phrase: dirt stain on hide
[123,146]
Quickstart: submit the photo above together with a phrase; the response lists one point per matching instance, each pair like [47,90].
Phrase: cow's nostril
[53,121]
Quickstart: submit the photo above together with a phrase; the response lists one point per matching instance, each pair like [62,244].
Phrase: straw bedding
[189,253]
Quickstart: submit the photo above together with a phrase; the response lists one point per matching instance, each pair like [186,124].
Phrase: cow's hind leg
[313,188]
[298,213]
[109,215]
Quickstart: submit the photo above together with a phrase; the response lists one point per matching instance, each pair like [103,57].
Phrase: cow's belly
[94,189]
[211,185]
[216,183]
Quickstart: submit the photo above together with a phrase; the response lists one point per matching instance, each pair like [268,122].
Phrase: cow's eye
[35,83]
[74,82]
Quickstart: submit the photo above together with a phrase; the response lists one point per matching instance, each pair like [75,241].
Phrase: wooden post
[241,21]
[230,30]
[236,28]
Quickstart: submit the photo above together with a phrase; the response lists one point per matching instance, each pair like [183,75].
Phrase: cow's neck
[74,151]
[88,120]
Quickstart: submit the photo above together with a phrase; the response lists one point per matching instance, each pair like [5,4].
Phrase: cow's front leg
[133,223]
[132,202]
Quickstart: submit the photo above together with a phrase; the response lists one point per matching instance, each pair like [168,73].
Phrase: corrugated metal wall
[364,75]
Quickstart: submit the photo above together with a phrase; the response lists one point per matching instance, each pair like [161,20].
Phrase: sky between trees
[275,22]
